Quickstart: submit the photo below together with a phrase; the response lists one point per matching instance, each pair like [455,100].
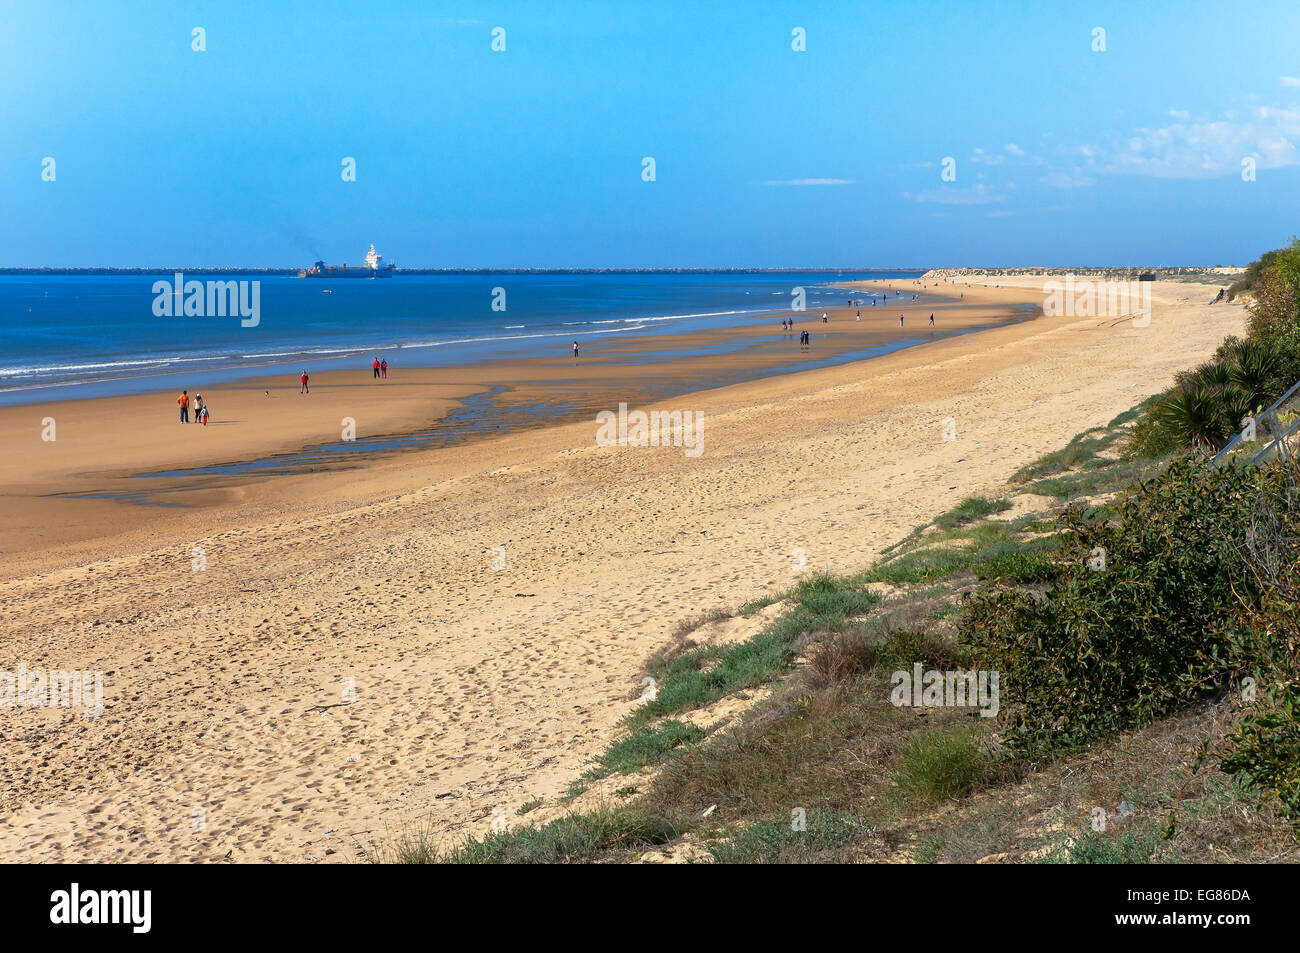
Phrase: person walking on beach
[184,402]
[375,367]
[304,389]
[383,368]
[931,320]
[198,408]
[823,317]
[575,348]
[900,320]
[205,415]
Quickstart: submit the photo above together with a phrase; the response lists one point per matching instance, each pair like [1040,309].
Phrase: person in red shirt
[383,368]
[376,368]
[303,389]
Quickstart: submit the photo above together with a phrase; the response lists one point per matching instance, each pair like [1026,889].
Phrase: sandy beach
[436,634]
[106,450]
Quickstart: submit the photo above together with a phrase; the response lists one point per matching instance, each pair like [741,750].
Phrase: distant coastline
[193,270]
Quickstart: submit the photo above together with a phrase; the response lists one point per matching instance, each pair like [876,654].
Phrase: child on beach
[205,415]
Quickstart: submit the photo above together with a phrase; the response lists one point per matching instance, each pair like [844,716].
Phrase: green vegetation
[1209,404]
[1113,644]
[971,509]
[1090,847]
[827,837]
[1082,451]
[939,767]
[577,837]
[530,805]
[703,675]
[644,746]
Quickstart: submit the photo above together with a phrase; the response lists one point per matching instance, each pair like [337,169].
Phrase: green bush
[1266,756]
[1111,649]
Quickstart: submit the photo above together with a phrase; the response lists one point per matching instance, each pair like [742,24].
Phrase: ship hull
[348,273]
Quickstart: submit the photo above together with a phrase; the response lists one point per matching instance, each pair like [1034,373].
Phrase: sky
[764,155]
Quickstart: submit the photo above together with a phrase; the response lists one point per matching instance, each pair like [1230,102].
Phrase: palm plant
[1254,369]
[1195,413]
[1235,405]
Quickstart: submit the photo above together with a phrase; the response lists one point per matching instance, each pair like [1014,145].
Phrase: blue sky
[532,157]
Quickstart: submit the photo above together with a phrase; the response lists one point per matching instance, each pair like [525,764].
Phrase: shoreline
[221,356]
[478,688]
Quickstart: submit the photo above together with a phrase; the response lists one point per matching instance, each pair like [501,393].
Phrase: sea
[76,336]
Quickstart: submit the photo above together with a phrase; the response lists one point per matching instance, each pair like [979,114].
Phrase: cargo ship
[373,268]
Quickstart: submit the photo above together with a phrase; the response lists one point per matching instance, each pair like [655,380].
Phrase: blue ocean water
[76,336]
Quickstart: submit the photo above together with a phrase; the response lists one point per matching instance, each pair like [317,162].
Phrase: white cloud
[809,182]
[1290,81]
[1199,149]
[1014,149]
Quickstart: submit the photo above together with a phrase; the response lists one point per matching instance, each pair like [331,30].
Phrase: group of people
[200,408]
[787,325]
